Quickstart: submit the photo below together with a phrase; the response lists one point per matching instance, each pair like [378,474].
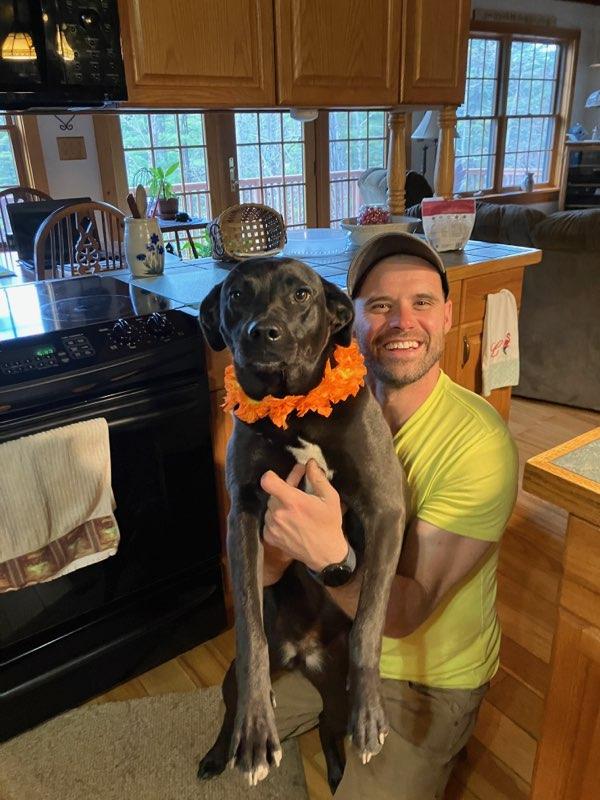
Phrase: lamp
[18,45]
[427,130]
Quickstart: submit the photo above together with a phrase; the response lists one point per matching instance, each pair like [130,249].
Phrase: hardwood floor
[499,760]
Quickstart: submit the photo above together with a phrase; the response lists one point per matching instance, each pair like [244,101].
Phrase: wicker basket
[246,231]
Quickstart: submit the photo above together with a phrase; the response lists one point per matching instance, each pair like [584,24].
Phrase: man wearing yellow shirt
[442,637]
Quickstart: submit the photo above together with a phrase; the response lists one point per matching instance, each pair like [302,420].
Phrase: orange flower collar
[338,383]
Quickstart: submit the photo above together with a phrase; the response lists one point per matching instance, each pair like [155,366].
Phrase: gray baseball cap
[392,244]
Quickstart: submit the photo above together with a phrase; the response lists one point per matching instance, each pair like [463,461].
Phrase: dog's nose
[268,331]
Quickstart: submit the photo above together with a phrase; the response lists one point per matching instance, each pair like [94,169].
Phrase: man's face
[402,319]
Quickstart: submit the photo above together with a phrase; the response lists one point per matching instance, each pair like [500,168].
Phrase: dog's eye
[235,294]
[301,295]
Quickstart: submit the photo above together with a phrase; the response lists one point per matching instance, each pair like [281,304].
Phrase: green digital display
[48,350]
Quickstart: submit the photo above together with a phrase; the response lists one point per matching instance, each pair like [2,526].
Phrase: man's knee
[298,704]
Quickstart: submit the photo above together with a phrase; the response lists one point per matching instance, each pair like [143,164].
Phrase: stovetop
[35,308]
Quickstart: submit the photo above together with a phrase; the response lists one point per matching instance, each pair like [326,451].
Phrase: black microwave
[60,53]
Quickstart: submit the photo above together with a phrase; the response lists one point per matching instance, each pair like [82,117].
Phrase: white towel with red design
[500,346]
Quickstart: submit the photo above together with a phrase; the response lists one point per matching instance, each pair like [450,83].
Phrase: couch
[559,320]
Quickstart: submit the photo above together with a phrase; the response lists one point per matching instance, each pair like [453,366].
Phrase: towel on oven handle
[56,503]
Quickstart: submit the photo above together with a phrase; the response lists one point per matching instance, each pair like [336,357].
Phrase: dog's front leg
[368,723]
[255,744]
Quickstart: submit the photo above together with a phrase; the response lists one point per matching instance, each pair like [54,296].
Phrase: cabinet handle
[466,350]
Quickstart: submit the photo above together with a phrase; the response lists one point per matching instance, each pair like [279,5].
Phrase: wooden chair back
[80,239]
[14,194]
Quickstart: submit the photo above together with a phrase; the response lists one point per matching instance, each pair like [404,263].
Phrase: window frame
[505,33]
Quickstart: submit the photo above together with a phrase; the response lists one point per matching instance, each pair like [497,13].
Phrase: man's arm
[433,562]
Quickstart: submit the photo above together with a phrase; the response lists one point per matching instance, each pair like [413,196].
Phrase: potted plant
[160,188]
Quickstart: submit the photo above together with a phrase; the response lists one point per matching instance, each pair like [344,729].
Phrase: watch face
[337,575]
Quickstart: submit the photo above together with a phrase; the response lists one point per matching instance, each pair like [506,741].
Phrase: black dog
[282,323]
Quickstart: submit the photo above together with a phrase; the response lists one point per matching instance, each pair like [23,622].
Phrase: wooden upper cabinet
[186,53]
[337,52]
[435,40]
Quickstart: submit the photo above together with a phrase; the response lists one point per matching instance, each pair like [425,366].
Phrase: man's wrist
[336,552]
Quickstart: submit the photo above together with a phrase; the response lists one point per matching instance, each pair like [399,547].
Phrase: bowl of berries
[373,220]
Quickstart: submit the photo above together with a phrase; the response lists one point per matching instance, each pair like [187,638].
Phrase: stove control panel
[56,352]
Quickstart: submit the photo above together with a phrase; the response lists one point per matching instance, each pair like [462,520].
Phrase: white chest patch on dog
[304,453]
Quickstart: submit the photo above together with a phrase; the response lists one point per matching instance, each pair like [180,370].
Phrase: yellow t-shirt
[462,468]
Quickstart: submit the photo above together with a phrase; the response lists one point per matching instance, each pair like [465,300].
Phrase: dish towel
[56,503]
[500,347]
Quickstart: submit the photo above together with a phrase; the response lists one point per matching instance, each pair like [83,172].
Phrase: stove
[78,349]
[55,335]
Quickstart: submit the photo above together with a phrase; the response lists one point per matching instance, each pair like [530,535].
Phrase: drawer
[476,290]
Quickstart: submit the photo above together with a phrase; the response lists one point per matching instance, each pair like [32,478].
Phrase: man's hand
[301,526]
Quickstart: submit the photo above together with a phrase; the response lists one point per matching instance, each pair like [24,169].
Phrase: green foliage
[202,244]
[156,180]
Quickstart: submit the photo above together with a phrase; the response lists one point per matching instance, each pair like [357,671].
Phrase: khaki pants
[428,728]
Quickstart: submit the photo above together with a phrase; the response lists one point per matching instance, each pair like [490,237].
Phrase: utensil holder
[144,247]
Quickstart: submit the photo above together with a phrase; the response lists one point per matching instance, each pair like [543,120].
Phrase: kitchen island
[567,763]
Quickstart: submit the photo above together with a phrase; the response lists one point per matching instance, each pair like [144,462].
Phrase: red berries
[372,215]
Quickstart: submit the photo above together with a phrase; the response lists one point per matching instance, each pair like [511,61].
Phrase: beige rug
[136,750]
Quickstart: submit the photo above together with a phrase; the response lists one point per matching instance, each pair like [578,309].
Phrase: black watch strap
[337,574]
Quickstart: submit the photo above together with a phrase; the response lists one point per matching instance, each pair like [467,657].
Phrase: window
[160,140]
[357,140]
[270,159]
[508,123]
[8,165]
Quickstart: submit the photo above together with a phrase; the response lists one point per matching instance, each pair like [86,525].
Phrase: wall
[79,178]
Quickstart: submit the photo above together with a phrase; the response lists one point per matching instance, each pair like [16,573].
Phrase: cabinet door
[434,44]
[202,53]
[449,361]
[337,53]
[469,367]
[567,764]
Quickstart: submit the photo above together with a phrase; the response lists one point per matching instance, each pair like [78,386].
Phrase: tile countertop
[569,476]
[190,281]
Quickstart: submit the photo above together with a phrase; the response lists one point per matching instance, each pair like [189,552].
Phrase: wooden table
[567,765]
[193,224]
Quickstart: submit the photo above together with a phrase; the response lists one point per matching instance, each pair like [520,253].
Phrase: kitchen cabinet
[341,52]
[191,54]
[567,765]
[434,51]
[264,53]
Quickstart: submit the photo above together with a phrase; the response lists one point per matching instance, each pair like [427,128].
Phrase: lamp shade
[593,100]
[428,128]
[18,46]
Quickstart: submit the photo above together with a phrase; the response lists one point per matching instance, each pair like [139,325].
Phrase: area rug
[135,750]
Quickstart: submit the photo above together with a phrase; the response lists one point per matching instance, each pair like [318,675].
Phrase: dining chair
[80,239]
[14,194]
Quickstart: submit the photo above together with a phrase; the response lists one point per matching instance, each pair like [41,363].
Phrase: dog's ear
[341,313]
[210,318]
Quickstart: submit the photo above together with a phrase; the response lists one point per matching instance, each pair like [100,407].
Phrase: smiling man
[442,636]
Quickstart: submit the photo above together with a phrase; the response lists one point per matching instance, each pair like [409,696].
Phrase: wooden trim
[219,128]
[520,29]
[111,160]
[444,162]
[29,153]
[310,173]
[545,195]
[396,162]
[322,169]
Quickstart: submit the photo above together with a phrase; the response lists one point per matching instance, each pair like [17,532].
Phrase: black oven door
[168,560]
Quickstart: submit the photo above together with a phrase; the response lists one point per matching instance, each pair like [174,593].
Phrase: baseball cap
[392,244]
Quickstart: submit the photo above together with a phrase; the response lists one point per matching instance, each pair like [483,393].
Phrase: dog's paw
[255,746]
[213,764]
[368,724]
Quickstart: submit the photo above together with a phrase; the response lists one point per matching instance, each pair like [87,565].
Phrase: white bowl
[315,242]
[359,234]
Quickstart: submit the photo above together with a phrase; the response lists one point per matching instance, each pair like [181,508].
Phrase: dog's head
[281,322]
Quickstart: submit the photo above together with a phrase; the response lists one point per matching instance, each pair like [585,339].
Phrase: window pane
[191,129]
[8,169]
[135,160]
[488,103]
[292,161]
[246,128]
[376,124]
[194,168]
[271,158]
[492,49]
[292,129]
[248,162]
[164,130]
[376,157]
[338,125]
[338,157]
[134,130]
[357,124]
[270,127]
[358,156]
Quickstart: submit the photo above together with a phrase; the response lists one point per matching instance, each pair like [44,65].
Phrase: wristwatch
[337,574]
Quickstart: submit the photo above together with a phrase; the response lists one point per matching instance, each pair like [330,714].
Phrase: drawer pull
[466,350]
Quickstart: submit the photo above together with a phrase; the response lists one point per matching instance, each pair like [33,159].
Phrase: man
[441,640]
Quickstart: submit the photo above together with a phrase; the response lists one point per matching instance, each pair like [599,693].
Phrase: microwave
[60,53]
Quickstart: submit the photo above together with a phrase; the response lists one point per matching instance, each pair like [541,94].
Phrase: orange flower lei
[338,383]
